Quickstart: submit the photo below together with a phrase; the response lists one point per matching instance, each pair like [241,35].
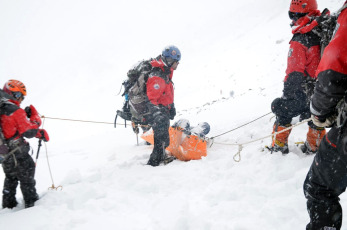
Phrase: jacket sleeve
[155,88]
[24,126]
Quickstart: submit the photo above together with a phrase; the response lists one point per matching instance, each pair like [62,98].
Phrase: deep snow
[73,56]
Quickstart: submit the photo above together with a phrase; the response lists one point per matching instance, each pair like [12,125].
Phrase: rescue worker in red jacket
[303,60]
[160,93]
[327,177]
[16,125]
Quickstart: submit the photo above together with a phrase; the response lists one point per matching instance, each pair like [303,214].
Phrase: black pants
[287,109]
[19,169]
[326,180]
[160,125]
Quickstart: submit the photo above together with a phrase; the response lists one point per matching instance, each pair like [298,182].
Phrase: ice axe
[38,151]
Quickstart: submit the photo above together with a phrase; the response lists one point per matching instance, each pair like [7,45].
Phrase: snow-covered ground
[73,57]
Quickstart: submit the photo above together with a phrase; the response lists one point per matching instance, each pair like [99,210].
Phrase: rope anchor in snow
[55,188]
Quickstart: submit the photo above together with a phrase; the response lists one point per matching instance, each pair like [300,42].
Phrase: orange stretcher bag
[183,147]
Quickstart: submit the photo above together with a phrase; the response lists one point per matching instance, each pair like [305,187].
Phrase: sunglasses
[17,95]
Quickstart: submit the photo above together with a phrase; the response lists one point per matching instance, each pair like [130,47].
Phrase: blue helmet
[172,52]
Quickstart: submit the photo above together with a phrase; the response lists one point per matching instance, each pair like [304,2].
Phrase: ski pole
[38,151]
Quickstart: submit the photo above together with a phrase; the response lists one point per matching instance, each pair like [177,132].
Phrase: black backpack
[4,150]
[328,27]
[135,92]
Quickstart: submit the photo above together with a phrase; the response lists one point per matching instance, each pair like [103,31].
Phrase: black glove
[172,111]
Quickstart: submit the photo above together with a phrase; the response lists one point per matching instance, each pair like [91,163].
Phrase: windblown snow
[73,57]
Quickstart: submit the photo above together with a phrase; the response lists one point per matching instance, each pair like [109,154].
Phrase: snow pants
[326,180]
[287,109]
[160,125]
[20,168]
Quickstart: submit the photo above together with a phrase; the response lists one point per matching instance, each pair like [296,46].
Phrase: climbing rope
[65,119]
[97,122]
[241,125]
[238,154]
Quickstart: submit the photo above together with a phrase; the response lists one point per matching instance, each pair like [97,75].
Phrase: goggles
[295,16]
[18,95]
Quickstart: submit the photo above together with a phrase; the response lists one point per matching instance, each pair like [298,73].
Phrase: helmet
[15,88]
[171,52]
[303,6]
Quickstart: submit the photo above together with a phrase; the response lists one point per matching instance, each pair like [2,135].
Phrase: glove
[172,111]
[325,122]
[43,135]
[33,115]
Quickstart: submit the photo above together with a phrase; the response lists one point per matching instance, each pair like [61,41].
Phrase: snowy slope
[73,56]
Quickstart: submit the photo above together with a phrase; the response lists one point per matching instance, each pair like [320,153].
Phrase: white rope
[259,139]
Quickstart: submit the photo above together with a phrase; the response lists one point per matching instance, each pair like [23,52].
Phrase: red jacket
[14,122]
[303,57]
[160,90]
[304,51]
[332,72]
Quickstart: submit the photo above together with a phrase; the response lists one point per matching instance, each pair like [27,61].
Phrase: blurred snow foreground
[73,57]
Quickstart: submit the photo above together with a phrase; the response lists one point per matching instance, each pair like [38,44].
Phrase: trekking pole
[38,151]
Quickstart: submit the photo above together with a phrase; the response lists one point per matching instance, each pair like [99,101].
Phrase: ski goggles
[18,95]
[295,16]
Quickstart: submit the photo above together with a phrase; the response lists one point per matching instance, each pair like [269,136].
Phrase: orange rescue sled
[183,147]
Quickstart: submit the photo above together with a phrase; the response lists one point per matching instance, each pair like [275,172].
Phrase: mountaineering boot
[313,139]
[8,201]
[30,203]
[9,193]
[280,141]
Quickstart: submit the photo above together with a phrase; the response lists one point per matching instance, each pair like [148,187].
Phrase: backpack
[4,150]
[135,107]
[328,27]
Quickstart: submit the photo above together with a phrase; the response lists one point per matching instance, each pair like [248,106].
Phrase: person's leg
[10,184]
[26,174]
[325,181]
[161,139]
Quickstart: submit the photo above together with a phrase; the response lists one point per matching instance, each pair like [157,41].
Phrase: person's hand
[33,115]
[43,135]
[322,121]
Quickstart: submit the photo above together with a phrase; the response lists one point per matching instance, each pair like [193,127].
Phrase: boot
[280,141]
[313,139]
[9,202]
[31,203]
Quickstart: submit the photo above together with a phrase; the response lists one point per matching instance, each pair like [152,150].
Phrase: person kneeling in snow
[17,124]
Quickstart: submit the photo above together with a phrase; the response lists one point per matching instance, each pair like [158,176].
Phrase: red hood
[160,64]
[305,24]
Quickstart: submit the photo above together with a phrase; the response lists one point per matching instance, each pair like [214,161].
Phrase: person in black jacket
[327,177]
